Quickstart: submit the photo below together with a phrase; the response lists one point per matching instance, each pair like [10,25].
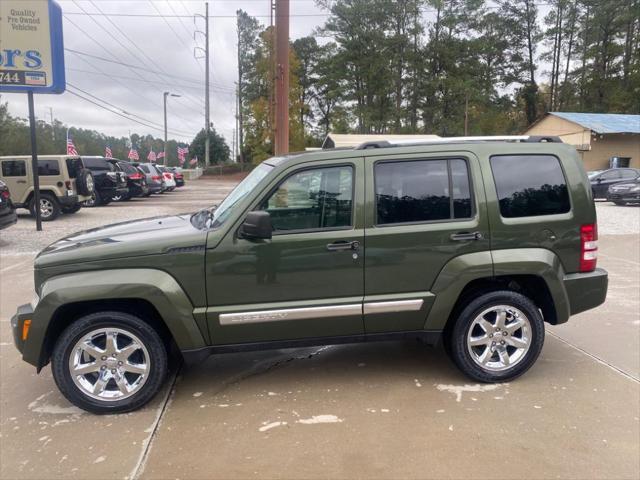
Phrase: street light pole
[165,95]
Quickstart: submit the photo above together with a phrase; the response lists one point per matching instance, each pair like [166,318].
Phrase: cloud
[161,47]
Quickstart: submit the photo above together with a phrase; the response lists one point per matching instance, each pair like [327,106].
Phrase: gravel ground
[616,220]
[23,239]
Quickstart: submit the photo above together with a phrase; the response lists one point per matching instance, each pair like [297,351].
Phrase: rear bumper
[586,290]
[68,200]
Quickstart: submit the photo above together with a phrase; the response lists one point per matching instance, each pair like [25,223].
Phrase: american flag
[194,161]
[107,152]
[152,156]
[182,152]
[133,154]
[71,148]
[160,155]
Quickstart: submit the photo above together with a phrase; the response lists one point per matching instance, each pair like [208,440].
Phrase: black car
[136,181]
[601,180]
[177,175]
[624,192]
[8,215]
[108,182]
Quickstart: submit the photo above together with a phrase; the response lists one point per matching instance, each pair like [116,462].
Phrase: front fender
[155,286]
[464,269]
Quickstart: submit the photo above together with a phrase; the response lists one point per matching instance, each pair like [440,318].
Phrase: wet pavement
[379,410]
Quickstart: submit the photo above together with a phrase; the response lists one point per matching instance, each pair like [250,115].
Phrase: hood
[150,236]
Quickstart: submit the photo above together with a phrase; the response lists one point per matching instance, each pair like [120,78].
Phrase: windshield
[215,218]
[594,173]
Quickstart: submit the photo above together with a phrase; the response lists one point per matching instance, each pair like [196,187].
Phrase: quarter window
[48,167]
[529,185]
[422,191]
[14,168]
[313,200]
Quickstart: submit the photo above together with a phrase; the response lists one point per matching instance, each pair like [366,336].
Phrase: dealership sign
[31,46]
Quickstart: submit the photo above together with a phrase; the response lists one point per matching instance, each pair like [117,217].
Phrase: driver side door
[307,281]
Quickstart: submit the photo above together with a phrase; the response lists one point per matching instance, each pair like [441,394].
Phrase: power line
[151,15]
[117,113]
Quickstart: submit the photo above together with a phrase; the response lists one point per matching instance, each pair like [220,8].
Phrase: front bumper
[25,312]
[586,290]
[630,197]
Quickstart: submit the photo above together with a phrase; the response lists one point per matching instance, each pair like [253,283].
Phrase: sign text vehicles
[31,46]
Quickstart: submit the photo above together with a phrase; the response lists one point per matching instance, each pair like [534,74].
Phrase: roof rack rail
[497,138]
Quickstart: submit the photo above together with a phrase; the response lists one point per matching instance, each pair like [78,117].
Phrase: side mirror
[599,180]
[256,226]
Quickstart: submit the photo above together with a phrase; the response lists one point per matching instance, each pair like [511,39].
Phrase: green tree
[219,151]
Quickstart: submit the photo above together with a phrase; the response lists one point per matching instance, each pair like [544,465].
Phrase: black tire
[72,209]
[48,202]
[129,323]
[84,182]
[95,200]
[457,337]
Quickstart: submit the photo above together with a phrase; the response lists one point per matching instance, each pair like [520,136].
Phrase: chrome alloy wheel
[109,364]
[499,338]
[46,208]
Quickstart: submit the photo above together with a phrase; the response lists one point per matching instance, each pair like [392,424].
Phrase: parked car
[476,255]
[167,176]
[601,180]
[177,174]
[624,193]
[109,182]
[136,181]
[64,183]
[155,182]
[8,215]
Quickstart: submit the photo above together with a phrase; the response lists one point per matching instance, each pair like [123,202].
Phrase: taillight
[5,194]
[156,177]
[67,184]
[135,176]
[588,247]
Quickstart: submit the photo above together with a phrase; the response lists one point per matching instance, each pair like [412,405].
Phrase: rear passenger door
[422,211]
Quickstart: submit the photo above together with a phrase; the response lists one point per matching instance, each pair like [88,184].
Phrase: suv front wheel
[497,337]
[109,362]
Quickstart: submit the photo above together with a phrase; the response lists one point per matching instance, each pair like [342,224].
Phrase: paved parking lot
[385,410]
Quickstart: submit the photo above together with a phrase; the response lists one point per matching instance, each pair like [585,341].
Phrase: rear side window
[125,167]
[98,164]
[144,168]
[48,167]
[530,185]
[422,191]
[74,165]
[14,168]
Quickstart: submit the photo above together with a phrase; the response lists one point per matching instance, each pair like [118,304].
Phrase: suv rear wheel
[497,337]
[49,207]
[109,362]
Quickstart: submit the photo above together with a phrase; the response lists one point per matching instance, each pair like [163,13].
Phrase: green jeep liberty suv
[473,241]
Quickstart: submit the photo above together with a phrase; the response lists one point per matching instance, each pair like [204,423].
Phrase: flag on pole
[133,154]
[152,156]
[107,152]
[71,148]
[182,152]
[194,161]
[160,155]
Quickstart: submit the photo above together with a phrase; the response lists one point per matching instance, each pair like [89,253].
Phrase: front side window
[314,199]
[530,185]
[422,191]
[98,164]
[14,168]
[628,174]
[48,167]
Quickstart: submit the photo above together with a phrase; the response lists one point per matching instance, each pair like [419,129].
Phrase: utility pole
[53,128]
[282,77]
[206,95]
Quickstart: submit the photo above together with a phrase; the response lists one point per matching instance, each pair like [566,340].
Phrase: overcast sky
[164,45]
[164,55]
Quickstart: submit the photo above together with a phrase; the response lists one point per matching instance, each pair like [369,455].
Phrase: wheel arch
[534,272]
[154,294]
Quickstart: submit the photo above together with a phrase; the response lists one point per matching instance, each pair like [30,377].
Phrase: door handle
[343,245]
[466,236]
[21,181]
